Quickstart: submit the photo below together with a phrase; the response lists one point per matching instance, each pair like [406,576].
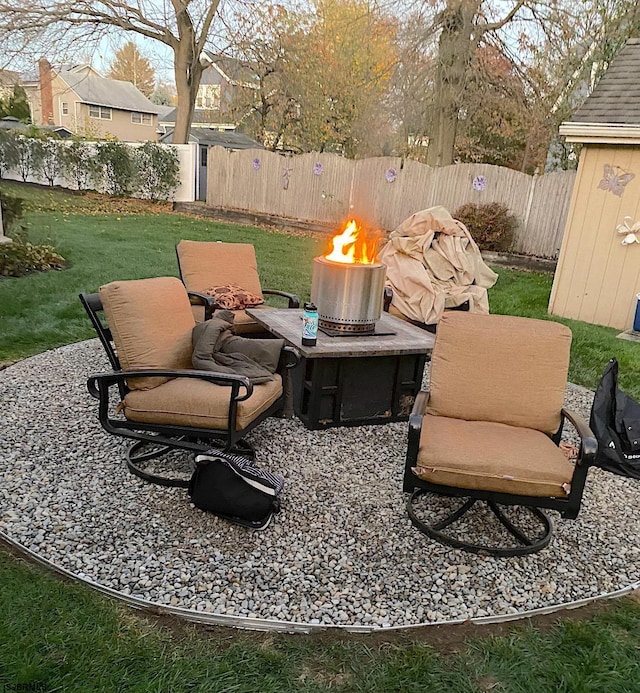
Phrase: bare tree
[181,25]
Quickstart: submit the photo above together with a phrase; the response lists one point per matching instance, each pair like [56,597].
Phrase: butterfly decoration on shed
[631,232]
[614,179]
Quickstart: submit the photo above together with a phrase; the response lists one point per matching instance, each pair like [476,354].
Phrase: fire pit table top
[396,336]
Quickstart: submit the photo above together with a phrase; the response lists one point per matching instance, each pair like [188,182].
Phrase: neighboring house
[598,273]
[209,137]
[79,99]
[201,119]
[219,81]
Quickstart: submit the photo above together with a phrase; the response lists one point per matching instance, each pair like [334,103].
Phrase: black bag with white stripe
[230,487]
[615,422]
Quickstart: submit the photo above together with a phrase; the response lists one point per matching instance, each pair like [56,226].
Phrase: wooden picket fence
[384,191]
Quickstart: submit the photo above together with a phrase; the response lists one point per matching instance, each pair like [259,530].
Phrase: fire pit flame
[352,246]
[348,283]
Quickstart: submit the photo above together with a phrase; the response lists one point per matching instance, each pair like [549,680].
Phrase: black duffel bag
[230,487]
[615,422]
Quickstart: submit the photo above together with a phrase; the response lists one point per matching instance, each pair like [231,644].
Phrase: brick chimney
[46,91]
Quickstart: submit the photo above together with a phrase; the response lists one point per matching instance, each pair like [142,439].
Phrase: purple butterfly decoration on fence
[614,180]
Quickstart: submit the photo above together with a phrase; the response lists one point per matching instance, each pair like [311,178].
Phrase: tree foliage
[320,76]
[16,105]
[129,65]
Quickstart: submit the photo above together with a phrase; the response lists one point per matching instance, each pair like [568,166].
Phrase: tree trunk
[456,46]
[188,70]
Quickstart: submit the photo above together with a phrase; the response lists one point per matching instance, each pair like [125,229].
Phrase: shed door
[202,178]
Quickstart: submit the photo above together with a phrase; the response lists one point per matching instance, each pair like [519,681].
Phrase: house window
[100,112]
[141,118]
[203,156]
[65,108]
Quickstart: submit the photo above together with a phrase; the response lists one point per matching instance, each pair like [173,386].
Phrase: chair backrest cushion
[206,265]
[151,323]
[500,368]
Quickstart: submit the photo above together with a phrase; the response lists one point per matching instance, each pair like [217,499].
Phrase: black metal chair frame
[153,440]
[568,507]
[210,304]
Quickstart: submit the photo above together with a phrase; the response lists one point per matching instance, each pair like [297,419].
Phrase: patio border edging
[272,625]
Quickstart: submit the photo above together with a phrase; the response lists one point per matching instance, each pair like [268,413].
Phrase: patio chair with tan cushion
[489,430]
[162,402]
[212,271]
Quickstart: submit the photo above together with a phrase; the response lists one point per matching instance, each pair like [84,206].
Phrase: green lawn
[61,637]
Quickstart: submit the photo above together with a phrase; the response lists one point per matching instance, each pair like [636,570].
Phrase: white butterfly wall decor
[629,231]
[614,179]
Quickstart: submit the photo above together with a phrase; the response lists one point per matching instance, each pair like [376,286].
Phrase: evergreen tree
[129,65]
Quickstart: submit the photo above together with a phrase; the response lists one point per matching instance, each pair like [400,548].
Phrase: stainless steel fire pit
[349,296]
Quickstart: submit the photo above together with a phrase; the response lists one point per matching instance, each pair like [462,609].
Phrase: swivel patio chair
[161,402]
[489,430]
[206,266]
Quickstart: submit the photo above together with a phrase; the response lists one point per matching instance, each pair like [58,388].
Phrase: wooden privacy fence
[384,191]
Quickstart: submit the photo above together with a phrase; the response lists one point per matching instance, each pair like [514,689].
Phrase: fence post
[532,189]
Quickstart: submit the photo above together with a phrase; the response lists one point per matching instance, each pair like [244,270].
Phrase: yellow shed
[597,277]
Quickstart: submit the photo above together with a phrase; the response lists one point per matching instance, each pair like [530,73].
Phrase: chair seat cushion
[197,403]
[488,456]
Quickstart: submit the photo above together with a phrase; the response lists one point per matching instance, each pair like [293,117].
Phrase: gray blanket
[217,348]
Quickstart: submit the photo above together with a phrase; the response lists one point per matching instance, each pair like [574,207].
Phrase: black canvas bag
[230,487]
[615,422]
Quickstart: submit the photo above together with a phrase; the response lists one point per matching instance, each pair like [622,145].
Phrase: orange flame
[353,246]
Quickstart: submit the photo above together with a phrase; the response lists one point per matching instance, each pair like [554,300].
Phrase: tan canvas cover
[432,264]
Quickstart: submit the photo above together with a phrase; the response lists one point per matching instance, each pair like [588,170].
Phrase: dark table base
[356,391]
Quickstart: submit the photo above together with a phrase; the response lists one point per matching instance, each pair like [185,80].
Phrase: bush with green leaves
[21,256]
[8,152]
[29,156]
[79,163]
[491,225]
[12,210]
[158,171]
[118,168]
[50,163]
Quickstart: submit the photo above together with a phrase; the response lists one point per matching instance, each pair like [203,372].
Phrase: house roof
[611,114]
[616,98]
[111,93]
[213,138]
[233,70]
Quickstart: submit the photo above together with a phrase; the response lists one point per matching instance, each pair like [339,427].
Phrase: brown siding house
[90,105]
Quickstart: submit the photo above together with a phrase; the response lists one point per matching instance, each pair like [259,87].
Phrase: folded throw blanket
[217,348]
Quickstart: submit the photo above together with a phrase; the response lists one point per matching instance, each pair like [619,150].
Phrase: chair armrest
[294,301]
[208,302]
[289,357]
[236,382]
[588,442]
[387,298]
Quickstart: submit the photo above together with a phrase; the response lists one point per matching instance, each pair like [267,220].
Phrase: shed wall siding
[597,278]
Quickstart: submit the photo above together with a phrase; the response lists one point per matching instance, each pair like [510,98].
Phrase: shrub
[79,163]
[158,171]
[20,257]
[8,152]
[118,165]
[491,225]
[11,210]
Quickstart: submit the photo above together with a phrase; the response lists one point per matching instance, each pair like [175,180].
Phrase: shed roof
[212,138]
[616,98]
[112,93]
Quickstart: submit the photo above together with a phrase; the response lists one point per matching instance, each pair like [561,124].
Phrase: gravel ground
[341,552]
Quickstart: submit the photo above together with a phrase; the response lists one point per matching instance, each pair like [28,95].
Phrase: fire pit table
[352,380]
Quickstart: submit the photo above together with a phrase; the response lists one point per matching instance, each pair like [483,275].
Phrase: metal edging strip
[247,623]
